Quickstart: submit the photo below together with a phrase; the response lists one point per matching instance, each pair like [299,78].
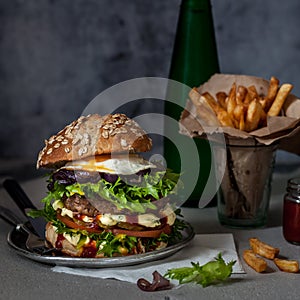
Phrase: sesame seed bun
[93,135]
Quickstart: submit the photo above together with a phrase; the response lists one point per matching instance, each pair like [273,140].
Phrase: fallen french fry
[281,96]
[255,262]
[285,265]
[263,249]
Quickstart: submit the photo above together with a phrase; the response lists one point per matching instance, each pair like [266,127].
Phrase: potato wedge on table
[263,249]
[286,265]
[256,263]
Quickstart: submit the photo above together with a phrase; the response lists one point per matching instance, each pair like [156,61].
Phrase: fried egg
[122,164]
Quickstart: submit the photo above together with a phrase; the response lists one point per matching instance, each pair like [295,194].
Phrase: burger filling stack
[104,199]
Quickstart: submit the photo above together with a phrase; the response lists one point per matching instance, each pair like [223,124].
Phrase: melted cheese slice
[122,164]
[147,220]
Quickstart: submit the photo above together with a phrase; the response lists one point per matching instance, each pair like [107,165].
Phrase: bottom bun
[69,246]
[63,245]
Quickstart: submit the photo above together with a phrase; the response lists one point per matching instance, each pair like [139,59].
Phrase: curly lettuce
[136,198]
[210,273]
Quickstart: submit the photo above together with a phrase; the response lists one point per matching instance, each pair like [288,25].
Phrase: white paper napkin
[203,248]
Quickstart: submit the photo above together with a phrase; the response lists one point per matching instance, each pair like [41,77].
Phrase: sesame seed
[49,151]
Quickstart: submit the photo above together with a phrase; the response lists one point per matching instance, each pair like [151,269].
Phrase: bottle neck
[196,4]
[195,57]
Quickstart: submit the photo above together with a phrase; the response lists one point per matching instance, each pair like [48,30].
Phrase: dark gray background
[56,56]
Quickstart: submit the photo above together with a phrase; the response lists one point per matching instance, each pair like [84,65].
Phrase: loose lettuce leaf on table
[210,273]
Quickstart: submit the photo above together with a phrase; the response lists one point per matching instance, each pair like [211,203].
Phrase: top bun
[93,135]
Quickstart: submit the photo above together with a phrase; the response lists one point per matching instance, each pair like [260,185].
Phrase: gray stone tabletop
[21,278]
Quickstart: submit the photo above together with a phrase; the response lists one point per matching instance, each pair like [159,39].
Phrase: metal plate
[17,240]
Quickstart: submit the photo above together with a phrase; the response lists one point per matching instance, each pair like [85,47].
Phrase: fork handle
[18,195]
[9,216]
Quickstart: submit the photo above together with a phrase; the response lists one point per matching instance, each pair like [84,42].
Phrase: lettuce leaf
[212,272]
[134,198]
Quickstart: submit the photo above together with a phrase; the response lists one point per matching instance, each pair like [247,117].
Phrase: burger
[104,199]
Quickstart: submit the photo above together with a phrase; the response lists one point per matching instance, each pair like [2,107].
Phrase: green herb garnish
[210,273]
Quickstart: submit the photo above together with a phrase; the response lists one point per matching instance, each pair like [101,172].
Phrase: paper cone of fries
[257,117]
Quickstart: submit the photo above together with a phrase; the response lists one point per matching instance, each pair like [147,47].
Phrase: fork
[33,242]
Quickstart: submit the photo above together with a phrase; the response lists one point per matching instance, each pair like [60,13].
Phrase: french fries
[220,112]
[253,116]
[255,262]
[281,96]
[285,265]
[244,108]
[203,109]
[263,249]
[273,89]
[254,257]
[222,98]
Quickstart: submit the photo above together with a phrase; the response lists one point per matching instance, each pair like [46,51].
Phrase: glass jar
[244,194]
[291,212]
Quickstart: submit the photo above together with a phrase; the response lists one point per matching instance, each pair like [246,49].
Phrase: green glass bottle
[194,61]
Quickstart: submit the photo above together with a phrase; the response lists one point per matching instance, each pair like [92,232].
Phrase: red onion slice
[159,283]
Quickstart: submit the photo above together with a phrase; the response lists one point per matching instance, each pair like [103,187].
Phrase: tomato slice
[70,223]
[144,233]
[136,233]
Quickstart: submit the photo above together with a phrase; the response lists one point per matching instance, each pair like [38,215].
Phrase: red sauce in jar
[291,212]
[291,221]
